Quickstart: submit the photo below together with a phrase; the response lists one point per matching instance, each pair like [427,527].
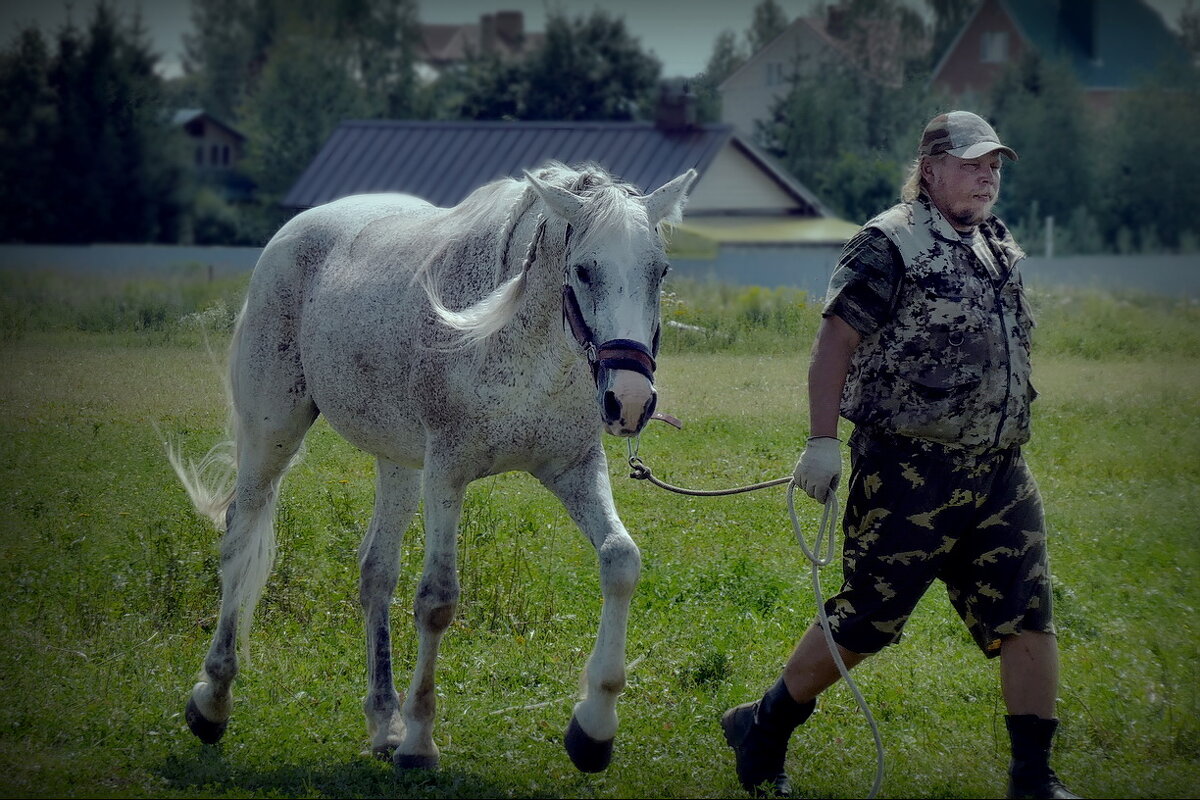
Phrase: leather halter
[612,354]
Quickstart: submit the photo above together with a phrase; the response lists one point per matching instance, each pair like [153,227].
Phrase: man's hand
[819,468]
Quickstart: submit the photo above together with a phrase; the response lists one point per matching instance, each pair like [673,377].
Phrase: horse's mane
[606,210]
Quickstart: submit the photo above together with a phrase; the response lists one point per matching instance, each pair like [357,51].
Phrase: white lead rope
[826,540]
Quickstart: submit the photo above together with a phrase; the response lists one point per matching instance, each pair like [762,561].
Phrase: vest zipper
[998,294]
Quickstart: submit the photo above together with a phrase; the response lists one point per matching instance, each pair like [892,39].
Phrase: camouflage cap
[962,134]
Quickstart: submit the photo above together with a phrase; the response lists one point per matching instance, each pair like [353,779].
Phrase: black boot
[758,732]
[1029,774]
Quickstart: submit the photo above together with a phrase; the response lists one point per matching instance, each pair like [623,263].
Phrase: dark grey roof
[183,116]
[443,162]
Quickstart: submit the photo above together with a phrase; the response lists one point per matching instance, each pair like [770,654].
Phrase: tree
[232,41]
[885,38]
[1038,106]
[726,58]
[586,69]
[590,68]
[383,36]
[949,17]
[304,92]
[103,166]
[486,87]
[219,53]
[769,21]
[28,119]
[1150,161]
[287,72]
[1189,29]
[847,136]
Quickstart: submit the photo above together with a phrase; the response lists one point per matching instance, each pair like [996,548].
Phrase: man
[924,346]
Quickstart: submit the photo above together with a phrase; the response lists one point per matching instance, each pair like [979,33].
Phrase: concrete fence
[806,268]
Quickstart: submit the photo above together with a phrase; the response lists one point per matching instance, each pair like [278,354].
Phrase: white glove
[819,468]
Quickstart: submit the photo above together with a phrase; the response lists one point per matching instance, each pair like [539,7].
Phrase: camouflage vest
[952,365]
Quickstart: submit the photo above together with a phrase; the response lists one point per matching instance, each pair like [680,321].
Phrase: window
[994,47]
[775,73]
[200,156]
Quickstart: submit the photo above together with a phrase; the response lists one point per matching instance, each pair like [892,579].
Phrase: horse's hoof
[383,752]
[205,730]
[587,754]
[404,761]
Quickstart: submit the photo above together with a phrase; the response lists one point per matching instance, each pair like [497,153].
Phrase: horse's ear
[565,204]
[666,202]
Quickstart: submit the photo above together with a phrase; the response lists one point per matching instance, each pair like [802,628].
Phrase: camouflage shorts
[974,523]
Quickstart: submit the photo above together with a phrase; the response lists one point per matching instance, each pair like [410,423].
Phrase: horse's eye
[583,274]
[666,268]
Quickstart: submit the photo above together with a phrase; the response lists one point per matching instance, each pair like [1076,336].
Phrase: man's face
[963,189]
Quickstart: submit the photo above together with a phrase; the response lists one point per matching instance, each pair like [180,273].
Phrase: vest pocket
[942,380]
[951,358]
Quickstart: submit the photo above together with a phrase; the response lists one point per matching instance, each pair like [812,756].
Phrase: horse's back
[307,240]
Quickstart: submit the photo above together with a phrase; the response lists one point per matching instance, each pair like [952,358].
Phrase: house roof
[183,116]
[812,25]
[502,33]
[443,162]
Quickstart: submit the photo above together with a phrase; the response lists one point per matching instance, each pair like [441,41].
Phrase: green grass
[111,583]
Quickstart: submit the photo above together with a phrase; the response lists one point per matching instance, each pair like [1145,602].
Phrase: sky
[680,33]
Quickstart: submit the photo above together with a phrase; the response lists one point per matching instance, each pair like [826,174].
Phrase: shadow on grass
[205,772]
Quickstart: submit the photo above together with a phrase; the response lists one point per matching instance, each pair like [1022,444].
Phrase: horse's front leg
[433,611]
[585,491]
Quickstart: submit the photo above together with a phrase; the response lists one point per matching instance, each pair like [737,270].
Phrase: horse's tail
[248,552]
[210,481]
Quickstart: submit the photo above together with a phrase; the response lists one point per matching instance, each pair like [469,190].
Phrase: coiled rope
[825,541]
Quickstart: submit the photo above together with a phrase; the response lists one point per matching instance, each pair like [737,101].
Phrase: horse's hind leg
[397,492]
[271,421]
[584,490]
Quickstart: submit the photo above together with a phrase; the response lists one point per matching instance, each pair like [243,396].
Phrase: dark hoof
[587,754]
[403,761]
[206,731]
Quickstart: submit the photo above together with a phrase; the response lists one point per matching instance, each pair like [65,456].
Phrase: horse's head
[614,264]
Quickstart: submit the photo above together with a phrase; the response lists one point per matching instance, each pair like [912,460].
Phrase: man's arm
[820,466]
[835,344]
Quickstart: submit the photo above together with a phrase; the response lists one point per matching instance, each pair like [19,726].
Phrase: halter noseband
[613,354]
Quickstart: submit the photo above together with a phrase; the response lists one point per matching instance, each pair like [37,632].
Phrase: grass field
[112,586]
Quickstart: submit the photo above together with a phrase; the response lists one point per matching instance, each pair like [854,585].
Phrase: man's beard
[970,217]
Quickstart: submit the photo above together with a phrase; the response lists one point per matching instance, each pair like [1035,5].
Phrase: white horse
[350,314]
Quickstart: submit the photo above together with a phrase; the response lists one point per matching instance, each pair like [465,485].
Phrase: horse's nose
[626,413]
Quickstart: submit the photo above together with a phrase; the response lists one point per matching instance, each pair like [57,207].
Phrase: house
[747,220]
[501,34]
[877,46]
[216,147]
[1108,43]
[216,151]
[752,90]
